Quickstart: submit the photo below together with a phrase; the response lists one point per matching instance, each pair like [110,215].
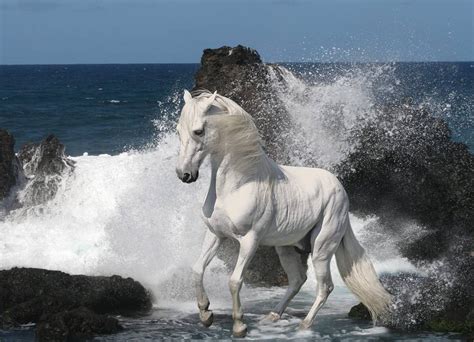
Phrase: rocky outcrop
[44,158]
[80,323]
[10,167]
[239,74]
[405,166]
[434,302]
[37,171]
[67,306]
[44,164]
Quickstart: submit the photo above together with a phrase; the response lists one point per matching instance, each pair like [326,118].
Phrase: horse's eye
[199,132]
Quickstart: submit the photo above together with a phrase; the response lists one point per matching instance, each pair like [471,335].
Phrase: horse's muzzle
[189,178]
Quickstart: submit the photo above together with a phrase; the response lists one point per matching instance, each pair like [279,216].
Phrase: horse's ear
[213,97]
[210,100]
[187,96]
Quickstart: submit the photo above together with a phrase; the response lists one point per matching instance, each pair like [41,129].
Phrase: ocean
[123,211]
[114,108]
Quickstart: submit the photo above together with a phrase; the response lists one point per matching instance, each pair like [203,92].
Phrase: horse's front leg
[209,249]
[248,246]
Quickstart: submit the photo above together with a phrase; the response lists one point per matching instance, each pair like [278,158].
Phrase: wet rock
[436,301]
[78,323]
[44,164]
[406,168]
[55,299]
[405,164]
[360,311]
[10,167]
[44,158]
[239,74]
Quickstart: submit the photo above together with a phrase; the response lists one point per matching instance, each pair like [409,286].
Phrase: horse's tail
[359,275]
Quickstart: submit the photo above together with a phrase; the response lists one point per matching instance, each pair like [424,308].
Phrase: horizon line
[278,62]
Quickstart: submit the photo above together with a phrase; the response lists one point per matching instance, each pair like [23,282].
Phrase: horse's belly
[289,233]
[294,219]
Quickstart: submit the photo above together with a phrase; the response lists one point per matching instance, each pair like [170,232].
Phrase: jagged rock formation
[68,306]
[44,158]
[44,164]
[37,171]
[406,166]
[239,74]
[10,167]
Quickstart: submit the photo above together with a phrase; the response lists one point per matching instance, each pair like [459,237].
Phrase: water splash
[127,214]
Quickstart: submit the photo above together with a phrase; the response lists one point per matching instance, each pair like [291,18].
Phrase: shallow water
[180,321]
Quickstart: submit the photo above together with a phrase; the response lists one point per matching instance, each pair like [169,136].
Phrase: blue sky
[176,31]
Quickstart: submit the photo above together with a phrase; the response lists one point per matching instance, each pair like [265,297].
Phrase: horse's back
[314,181]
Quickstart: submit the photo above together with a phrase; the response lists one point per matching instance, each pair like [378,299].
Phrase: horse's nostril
[186,177]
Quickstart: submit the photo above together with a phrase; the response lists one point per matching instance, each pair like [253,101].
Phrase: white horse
[255,201]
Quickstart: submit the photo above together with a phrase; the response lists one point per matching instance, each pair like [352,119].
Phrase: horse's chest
[221,224]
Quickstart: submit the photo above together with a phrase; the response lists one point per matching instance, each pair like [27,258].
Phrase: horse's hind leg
[325,245]
[292,263]
[209,249]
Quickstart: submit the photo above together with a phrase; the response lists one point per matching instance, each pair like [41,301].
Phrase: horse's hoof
[207,317]
[240,329]
[304,325]
[271,317]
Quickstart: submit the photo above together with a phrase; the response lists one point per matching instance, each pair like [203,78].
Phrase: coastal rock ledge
[67,306]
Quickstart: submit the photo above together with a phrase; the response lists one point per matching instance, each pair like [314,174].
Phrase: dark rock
[45,158]
[78,323]
[429,302]
[45,164]
[10,167]
[26,153]
[54,298]
[445,325]
[239,74]
[406,165]
[360,311]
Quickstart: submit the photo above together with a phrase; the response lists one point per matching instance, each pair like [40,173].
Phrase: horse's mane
[238,138]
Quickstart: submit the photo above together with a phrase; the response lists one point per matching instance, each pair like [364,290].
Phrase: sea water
[123,210]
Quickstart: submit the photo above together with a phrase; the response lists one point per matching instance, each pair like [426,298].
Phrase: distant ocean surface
[113,108]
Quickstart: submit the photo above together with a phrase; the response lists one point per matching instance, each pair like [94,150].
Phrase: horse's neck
[226,178]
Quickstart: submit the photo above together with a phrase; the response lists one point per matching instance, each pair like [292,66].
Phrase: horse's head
[193,135]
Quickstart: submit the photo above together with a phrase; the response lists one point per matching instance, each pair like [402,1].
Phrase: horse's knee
[325,289]
[197,269]
[234,285]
